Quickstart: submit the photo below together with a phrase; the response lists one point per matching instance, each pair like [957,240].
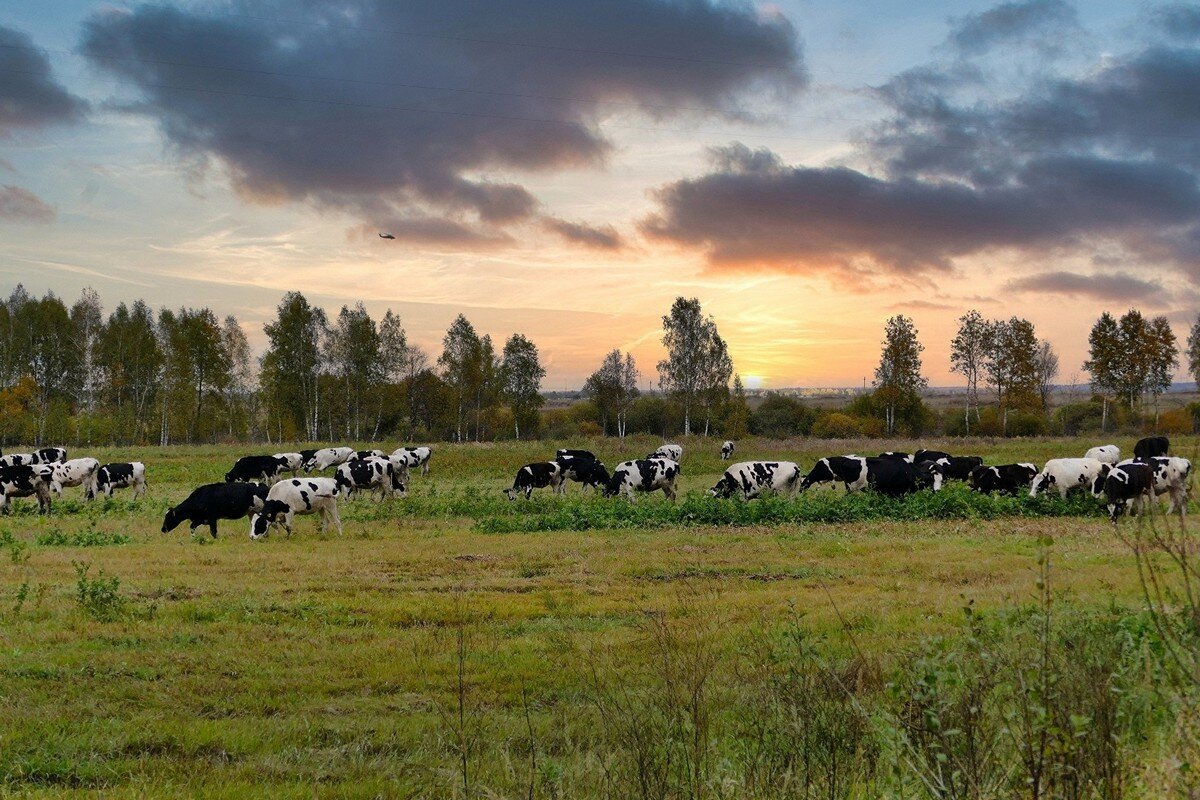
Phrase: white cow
[752,478]
[1066,474]
[297,496]
[294,462]
[414,457]
[76,472]
[1105,454]
[643,475]
[328,457]
[1172,477]
[672,452]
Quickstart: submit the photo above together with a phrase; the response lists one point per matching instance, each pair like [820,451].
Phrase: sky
[565,170]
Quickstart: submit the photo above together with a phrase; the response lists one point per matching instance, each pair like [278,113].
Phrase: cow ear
[257,502]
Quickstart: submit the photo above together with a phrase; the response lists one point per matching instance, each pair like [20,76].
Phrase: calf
[959,468]
[538,475]
[374,473]
[752,478]
[1151,447]
[567,452]
[1130,481]
[294,461]
[215,501]
[726,450]
[328,457]
[850,470]
[644,475]
[1105,454]
[25,480]
[76,472]
[257,468]
[415,457]
[898,477]
[1065,474]
[118,476]
[672,452]
[588,471]
[295,496]
[50,455]
[1007,478]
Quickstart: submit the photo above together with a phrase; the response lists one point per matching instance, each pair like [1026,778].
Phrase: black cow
[896,455]
[1151,447]
[50,455]
[850,470]
[567,452]
[1007,478]
[959,468]
[588,471]
[929,455]
[257,468]
[1129,481]
[215,501]
[24,480]
[897,477]
[537,475]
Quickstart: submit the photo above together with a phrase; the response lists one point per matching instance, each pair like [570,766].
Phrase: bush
[1177,420]
[780,417]
[1027,423]
[836,425]
[1076,418]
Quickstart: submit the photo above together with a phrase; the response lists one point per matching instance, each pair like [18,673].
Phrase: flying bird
[386,236]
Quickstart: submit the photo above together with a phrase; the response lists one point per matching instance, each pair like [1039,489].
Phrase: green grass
[136,664]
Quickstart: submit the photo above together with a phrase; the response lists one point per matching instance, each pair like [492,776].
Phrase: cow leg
[212,526]
[337,520]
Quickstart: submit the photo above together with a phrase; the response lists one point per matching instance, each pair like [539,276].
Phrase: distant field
[420,645]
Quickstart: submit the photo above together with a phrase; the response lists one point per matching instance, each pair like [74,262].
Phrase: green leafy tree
[130,360]
[292,364]
[1104,361]
[1193,351]
[697,365]
[241,408]
[355,358]
[197,371]
[521,377]
[461,363]
[49,355]
[613,388]
[898,377]
[968,356]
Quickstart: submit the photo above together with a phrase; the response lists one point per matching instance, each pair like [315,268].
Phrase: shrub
[100,597]
[780,417]
[836,425]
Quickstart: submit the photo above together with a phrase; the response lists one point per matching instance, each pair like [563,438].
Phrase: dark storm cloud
[283,127]
[1113,286]
[1107,158]
[29,95]
[1047,20]
[598,238]
[21,205]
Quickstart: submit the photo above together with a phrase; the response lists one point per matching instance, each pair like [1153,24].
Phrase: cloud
[22,205]
[349,109]
[604,237]
[1178,20]
[1113,286]
[29,95]
[1047,21]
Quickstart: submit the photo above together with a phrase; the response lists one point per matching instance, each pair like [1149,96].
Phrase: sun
[753,381]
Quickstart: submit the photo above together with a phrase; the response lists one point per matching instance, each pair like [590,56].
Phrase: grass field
[454,644]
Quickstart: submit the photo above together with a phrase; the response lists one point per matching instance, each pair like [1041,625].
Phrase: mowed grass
[369,664]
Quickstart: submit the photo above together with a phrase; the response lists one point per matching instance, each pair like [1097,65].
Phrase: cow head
[820,472]
[1101,478]
[171,520]
[1042,483]
[724,488]
[931,475]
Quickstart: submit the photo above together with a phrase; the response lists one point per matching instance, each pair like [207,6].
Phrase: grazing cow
[25,480]
[18,460]
[929,455]
[328,457]
[415,457]
[1105,454]
[76,472]
[370,454]
[896,455]
[50,455]
[1126,482]
[671,452]
[215,501]
[959,467]
[297,496]
[538,475]
[1007,478]
[1065,474]
[897,477]
[307,456]
[566,452]
[374,473]
[1151,447]
[294,461]
[644,475]
[588,471]
[1171,476]
[850,470]
[726,450]
[119,476]
[752,478]
[257,468]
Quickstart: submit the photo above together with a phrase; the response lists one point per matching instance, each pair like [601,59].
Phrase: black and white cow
[727,448]
[850,470]
[257,468]
[644,475]
[1171,476]
[588,471]
[1151,447]
[370,454]
[566,452]
[897,455]
[415,457]
[1106,454]
[294,461]
[374,472]
[959,468]
[76,472]
[25,480]
[1007,478]
[295,496]
[671,452]
[119,476]
[215,501]
[1128,482]
[897,477]
[752,478]
[929,455]
[1065,474]
[18,460]
[328,457]
[50,455]
[538,475]
[307,456]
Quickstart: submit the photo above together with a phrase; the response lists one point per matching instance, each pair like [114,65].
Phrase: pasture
[455,644]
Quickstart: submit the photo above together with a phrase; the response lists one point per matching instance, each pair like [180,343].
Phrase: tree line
[70,373]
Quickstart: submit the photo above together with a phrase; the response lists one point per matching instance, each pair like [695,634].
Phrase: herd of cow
[48,471]
[1152,472]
